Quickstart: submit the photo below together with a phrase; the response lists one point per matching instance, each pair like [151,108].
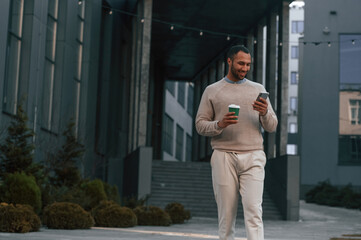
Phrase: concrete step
[190,183]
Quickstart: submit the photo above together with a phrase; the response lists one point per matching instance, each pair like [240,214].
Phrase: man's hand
[261,106]
[227,120]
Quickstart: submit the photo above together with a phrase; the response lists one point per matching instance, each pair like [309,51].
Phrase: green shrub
[18,218]
[111,192]
[74,194]
[16,152]
[349,198]
[326,194]
[323,194]
[111,214]
[20,188]
[94,190]
[102,205]
[87,194]
[153,216]
[65,215]
[133,202]
[64,170]
[177,212]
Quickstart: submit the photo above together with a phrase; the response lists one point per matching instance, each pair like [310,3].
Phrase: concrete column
[220,69]
[212,74]
[144,171]
[140,75]
[250,46]
[225,65]
[103,88]
[137,178]
[157,111]
[4,18]
[211,79]
[91,68]
[28,73]
[282,83]
[258,53]
[195,135]
[283,178]
[144,74]
[271,76]
[132,98]
[203,141]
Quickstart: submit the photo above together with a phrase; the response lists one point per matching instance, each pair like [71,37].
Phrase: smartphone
[262,95]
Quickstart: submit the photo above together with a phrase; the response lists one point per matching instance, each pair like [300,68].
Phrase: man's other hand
[261,106]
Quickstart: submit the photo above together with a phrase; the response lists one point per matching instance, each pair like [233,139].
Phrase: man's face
[240,65]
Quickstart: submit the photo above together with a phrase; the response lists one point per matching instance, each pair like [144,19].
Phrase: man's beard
[236,74]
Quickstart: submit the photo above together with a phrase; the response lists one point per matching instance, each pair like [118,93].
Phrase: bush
[64,170]
[153,216]
[326,194]
[16,153]
[22,189]
[177,212]
[75,194]
[323,194]
[94,190]
[88,194]
[18,218]
[110,214]
[111,192]
[65,215]
[349,198]
[133,202]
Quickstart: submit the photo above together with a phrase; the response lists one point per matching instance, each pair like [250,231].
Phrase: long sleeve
[269,121]
[205,123]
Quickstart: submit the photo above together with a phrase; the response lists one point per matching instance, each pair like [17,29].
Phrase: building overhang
[187,35]
[202,30]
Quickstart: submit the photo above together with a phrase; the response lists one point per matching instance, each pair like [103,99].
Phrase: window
[181,93]
[168,135]
[355,112]
[297,26]
[350,62]
[79,52]
[188,148]
[293,105]
[355,148]
[350,150]
[293,128]
[179,143]
[12,68]
[170,87]
[294,52]
[190,99]
[294,78]
[291,149]
[49,67]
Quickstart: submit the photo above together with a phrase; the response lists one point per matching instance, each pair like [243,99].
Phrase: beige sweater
[246,134]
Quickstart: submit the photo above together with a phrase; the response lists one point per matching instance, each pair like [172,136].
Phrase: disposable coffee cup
[234,108]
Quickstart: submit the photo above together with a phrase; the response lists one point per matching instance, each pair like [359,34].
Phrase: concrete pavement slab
[316,223]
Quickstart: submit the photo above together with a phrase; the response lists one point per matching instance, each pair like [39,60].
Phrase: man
[238,159]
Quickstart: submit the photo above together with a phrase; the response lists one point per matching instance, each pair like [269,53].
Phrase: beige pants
[243,173]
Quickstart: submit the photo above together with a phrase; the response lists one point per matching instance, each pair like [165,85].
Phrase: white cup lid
[233,106]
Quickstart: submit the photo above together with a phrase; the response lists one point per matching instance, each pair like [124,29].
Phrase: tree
[16,153]
[65,168]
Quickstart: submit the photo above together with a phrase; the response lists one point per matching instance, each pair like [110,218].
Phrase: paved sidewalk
[316,223]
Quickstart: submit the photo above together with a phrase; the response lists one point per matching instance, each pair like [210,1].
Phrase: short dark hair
[235,49]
